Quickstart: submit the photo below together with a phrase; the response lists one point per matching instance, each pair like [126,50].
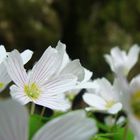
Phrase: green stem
[32,108]
[42,111]
[125,132]
[114,125]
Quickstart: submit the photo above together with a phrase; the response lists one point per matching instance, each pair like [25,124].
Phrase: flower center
[32,91]
[135,103]
[1,85]
[110,104]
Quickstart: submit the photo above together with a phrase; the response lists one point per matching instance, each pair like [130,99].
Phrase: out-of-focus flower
[130,98]
[42,85]
[4,77]
[72,126]
[103,98]
[134,124]
[110,121]
[120,61]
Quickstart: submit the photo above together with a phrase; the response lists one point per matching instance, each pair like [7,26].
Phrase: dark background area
[89,28]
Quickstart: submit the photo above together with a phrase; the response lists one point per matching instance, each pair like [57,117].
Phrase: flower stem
[32,108]
[42,111]
[125,132]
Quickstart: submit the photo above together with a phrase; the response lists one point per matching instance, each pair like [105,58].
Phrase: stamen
[32,91]
[110,104]
[1,85]
[135,103]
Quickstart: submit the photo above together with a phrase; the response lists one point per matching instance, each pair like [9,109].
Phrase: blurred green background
[89,28]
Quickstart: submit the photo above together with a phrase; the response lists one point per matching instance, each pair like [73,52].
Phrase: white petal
[61,48]
[134,124]
[19,95]
[118,55]
[88,85]
[105,88]
[55,102]
[135,83]
[53,92]
[72,126]
[94,101]
[3,53]
[15,68]
[74,67]
[133,56]
[88,75]
[117,59]
[4,77]
[110,61]
[46,66]
[60,84]
[26,56]
[13,121]
[115,108]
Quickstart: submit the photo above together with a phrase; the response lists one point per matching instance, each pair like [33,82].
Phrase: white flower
[120,61]
[4,77]
[134,124]
[72,126]
[130,98]
[73,66]
[130,94]
[103,97]
[110,120]
[41,85]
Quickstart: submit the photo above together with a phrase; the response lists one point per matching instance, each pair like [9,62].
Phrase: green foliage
[121,132]
[35,123]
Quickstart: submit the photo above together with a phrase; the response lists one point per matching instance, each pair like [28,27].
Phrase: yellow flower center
[1,85]
[70,96]
[110,104]
[32,91]
[135,103]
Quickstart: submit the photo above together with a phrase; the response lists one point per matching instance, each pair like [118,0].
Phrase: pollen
[1,85]
[135,104]
[110,104]
[32,91]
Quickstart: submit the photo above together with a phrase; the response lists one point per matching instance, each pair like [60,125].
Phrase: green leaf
[35,123]
[121,132]
[99,138]
[103,126]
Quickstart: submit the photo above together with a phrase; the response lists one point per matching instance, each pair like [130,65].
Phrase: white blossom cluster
[55,76]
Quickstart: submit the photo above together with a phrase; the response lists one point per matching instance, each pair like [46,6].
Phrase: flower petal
[53,92]
[4,77]
[134,124]
[46,66]
[3,53]
[74,67]
[60,84]
[26,56]
[72,126]
[110,61]
[133,56]
[16,71]
[13,121]
[94,101]
[19,95]
[115,108]
[61,48]
[105,88]
[88,75]
[55,102]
